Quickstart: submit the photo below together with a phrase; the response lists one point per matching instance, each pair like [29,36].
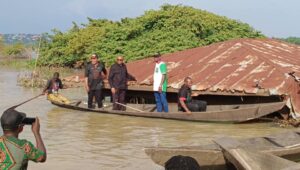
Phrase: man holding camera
[15,152]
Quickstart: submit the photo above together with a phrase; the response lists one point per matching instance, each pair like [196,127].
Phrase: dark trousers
[197,106]
[98,95]
[119,97]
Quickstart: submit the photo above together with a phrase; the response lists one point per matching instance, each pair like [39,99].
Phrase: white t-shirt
[159,71]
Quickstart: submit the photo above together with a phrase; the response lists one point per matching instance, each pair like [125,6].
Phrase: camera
[28,120]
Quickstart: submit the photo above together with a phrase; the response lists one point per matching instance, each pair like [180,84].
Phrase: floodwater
[83,140]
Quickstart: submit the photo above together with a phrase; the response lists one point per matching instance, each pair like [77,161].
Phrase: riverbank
[29,76]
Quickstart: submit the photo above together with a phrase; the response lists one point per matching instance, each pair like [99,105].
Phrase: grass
[16,63]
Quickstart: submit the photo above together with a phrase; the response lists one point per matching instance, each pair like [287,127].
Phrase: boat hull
[235,114]
[285,145]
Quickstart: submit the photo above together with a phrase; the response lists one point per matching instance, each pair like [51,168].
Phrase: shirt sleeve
[111,76]
[104,69]
[182,94]
[163,68]
[47,85]
[32,153]
[86,71]
[60,84]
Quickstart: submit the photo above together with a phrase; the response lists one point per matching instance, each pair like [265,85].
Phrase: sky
[274,18]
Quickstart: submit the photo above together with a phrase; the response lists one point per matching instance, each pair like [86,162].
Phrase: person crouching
[185,102]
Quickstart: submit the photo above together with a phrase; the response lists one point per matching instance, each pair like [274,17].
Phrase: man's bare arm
[183,105]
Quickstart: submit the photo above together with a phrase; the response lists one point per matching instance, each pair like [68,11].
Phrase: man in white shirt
[160,84]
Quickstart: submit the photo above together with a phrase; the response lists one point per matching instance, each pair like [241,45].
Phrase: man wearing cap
[95,72]
[160,84]
[15,152]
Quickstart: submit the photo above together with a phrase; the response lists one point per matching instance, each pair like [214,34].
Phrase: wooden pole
[129,107]
[15,106]
[37,57]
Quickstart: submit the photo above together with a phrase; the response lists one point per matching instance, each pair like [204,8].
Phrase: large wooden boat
[285,145]
[214,113]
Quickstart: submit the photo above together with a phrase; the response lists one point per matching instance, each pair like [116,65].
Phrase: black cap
[11,119]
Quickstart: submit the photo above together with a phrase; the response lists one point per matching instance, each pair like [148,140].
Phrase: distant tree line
[15,50]
[294,40]
[169,29]
[26,39]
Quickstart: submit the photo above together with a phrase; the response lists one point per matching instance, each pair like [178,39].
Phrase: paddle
[129,107]
[15,106]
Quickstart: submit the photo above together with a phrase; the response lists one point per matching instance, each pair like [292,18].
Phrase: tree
[2,45]
[294,40]
[170,29]
[14,50]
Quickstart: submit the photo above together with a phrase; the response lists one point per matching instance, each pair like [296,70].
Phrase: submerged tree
[172,28]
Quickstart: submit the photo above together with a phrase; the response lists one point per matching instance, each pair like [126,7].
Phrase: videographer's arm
[39,141]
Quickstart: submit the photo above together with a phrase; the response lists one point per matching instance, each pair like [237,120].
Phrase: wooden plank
[247,159]
[211,156]
[287,139]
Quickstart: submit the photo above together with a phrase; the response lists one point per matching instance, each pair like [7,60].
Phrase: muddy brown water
[84,140]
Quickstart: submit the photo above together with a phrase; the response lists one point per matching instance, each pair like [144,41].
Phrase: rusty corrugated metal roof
[246,66]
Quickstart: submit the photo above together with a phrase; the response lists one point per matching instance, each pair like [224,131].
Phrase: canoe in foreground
[252,159]
[285,145]
[214,113]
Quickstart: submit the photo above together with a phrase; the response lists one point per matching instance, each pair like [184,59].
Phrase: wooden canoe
[245,158]
[285,145]
[214,113]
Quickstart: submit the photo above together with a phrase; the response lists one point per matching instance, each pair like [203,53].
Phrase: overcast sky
[275,18]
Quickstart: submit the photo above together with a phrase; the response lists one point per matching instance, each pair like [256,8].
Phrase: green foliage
[14,50]
[1,45]
[294,40]
[170,29]
[17,64]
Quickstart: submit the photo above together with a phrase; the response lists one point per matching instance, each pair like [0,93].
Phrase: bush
[170,29]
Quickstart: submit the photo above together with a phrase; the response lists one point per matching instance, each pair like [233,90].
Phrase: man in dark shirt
[52,87]
[95,72]
[185,102]
[53,84]
[117,78]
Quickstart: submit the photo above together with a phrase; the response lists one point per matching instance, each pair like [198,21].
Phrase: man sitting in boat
[185,102]
[52,87]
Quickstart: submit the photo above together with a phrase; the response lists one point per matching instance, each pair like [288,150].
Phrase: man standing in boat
[95,72]
[185,102]
[160,84]
[117,78]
